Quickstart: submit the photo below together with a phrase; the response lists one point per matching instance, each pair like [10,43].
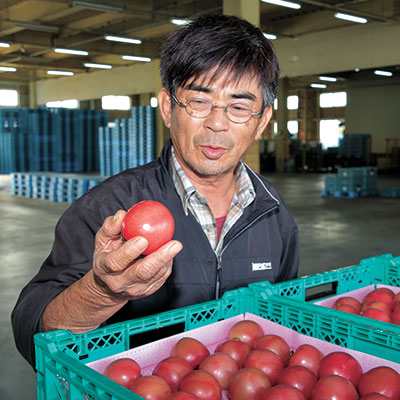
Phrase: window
[275,128]
[293,127]
[329,132]
[72,103]
[337,99]
[293,102]
[8,98]
[154,102]
[275,104]
[112,102]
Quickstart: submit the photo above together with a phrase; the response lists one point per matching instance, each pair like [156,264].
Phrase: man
[220,77]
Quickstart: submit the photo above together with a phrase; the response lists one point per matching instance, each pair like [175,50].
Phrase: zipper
[219,256]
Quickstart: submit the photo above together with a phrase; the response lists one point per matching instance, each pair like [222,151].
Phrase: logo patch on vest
[261,266]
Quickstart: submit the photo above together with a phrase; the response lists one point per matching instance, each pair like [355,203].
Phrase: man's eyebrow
[241,95]
[245,95]
[198,88]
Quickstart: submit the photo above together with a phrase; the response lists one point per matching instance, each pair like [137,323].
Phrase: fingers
[111,228]
[157,263]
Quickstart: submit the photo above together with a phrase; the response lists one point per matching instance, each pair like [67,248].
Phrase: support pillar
[282,116]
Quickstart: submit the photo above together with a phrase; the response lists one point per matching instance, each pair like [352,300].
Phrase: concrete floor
[333,233]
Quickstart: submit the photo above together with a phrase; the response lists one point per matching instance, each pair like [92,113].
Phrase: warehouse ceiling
[35,28]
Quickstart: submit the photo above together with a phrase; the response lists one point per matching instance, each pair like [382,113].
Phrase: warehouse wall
[374,109]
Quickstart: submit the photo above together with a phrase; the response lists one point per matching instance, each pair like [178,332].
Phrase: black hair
[223,43]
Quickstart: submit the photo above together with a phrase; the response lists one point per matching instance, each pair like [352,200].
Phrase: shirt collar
[185,188]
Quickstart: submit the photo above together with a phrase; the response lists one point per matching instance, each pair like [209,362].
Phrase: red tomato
[190,349]
[202,385]
[248,383]
[246,331]
[395,317]
[221,366]
[123,371]
[349,301]
[379,295]
[266,361]
[151,220]
[396,297]
[283,392]
[307,356]
[236,349]
[299,377]
[334,387]
[275,344]
[172,370]
[379,305]
[374,396]
[347,308]
[151,388]
[182,396]
[386,290]
[383,380]
[342,364]
[376,314]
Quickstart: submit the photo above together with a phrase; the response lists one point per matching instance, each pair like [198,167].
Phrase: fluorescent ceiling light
[351,18]
[283,3]
[65,73]
[70,51]
[97,6]
[136,58]
[4,44]
[122,39]
[94,65]
[179,21]
[327,78]
[8,69]
[36,27]
[318,85]
[383,73]
[270,36]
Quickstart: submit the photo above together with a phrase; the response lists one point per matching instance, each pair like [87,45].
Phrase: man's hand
[116,267]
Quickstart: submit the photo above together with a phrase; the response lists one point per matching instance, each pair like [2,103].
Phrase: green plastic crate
[61,356]
[290,304]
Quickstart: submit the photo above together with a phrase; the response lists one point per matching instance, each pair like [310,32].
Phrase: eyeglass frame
[213,107]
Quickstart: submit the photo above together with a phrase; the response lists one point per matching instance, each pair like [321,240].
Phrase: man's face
[213,146]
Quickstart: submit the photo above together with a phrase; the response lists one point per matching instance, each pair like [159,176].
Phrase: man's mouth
[212,152]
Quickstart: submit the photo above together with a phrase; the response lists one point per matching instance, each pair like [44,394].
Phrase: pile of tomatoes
[381,304]
[253,365]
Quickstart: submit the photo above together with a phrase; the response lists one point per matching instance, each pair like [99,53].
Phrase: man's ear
[164,102]
[263,122]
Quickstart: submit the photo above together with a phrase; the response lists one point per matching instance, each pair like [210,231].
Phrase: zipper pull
[219,273]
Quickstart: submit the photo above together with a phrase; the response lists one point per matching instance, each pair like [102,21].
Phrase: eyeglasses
[236,111]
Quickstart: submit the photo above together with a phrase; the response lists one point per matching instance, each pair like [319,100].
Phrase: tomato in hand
[191,350]
[151,388]
[246,331]
[149,219]
[172,370]
[123,371]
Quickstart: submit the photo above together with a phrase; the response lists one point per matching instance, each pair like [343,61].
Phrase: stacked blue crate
[128,143]
[352,183]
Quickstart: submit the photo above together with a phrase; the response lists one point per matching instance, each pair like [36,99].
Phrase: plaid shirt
[196,203]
